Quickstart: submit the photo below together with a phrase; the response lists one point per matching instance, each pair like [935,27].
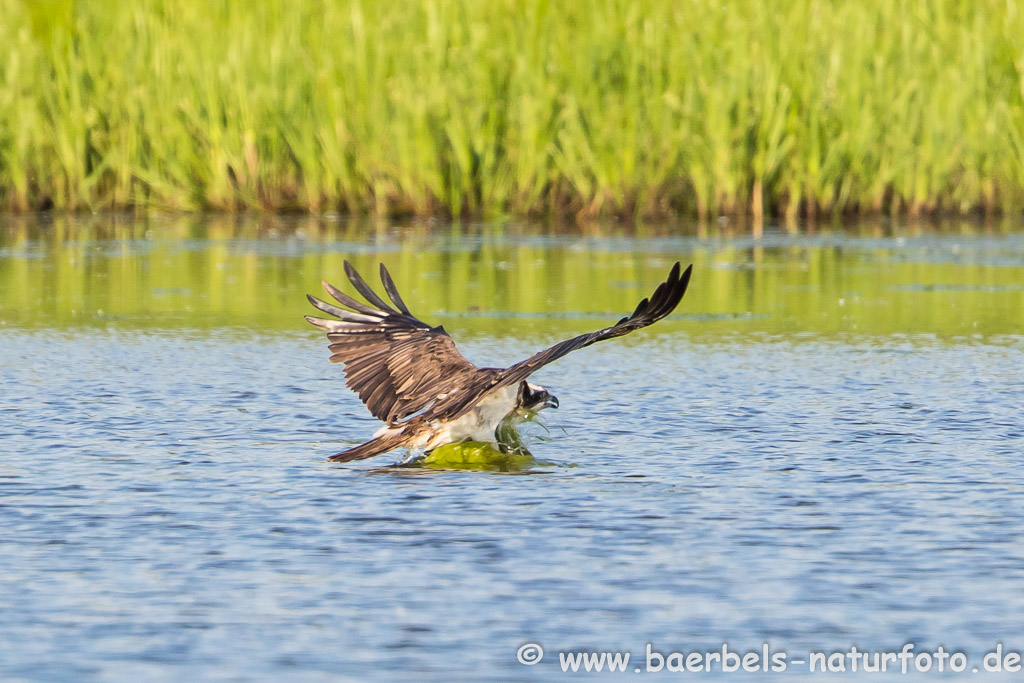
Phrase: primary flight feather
[411,375]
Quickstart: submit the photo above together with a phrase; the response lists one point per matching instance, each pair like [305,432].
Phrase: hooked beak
[551,402]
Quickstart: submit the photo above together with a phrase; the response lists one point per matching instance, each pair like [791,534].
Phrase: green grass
[512,107]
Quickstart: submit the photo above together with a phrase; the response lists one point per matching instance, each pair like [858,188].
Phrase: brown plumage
[411,375]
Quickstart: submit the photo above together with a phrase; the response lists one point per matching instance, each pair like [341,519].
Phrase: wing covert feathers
[396,363]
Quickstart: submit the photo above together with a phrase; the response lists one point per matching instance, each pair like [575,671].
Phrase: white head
[535,397]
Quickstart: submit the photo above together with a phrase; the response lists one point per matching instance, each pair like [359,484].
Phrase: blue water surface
[166,511]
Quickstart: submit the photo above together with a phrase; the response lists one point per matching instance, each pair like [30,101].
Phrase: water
[821,449]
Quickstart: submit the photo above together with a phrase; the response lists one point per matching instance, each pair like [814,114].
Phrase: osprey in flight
[411,376]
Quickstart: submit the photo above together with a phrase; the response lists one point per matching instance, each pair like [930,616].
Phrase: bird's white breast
[479,423]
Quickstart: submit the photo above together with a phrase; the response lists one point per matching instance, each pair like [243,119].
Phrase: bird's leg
[412,457]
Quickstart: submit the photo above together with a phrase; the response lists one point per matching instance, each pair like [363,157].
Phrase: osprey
[411,376]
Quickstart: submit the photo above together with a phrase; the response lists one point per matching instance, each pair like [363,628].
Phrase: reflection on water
[208,274]
[821,450]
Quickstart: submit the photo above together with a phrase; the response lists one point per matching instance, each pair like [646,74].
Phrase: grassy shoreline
[799,110]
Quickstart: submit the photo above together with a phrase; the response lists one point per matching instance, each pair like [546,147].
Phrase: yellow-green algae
[476,455]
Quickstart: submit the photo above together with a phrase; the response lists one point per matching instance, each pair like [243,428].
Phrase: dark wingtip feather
[360,284]
[640,307]
[661,293]
[325,307]
[372,317]
[392,290]
[680,288]
[346,300]
[671,291]
[684,281]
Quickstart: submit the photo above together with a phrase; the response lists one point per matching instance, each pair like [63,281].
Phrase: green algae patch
[475,455]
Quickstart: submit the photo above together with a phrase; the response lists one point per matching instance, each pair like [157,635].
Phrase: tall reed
[454,107]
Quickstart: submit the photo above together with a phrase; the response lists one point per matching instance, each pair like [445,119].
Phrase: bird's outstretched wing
[649,311]
[398,364]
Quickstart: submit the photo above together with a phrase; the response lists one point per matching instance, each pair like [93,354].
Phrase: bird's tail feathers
[381,444]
